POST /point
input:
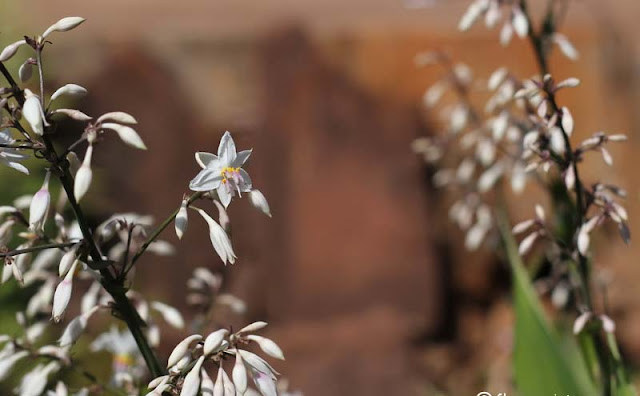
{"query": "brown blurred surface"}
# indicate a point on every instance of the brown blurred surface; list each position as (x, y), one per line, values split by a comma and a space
(365, 286)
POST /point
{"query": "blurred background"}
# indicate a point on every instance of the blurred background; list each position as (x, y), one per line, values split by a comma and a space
(365, 285)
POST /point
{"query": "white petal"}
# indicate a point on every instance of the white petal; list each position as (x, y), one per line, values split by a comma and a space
(580, 322)
(63, 25)
(219, 238)
(565, 46)
(527, 243)
(506, 34)
(520, 23)
(73, 114)
(265, 384)
(40, 204)
(75, 328)
(224, 194)
(206, 180)
(127, 134)
(7, 363)
(227, 149)
(207, 160)
(567, 121)
(241, 158)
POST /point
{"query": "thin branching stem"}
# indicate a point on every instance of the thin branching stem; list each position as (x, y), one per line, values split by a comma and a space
(37, 249)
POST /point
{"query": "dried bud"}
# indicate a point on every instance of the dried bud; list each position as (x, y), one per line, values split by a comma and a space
(63, 25)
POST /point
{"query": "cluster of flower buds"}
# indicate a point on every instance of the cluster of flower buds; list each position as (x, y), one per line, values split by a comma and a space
(188, 375)
(493, 11)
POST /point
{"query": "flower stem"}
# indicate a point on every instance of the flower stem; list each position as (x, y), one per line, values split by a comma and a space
(37, 249)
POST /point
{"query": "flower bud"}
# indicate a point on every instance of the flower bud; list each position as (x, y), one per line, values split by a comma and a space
(259, 201)
(218, 388)
(83, 176)
(40, 205)
(75, 328)
(25, 71)
(239, 374)
(74, 162)
(62, 296)
(117, 116)
(73, 114)
(191, 383)
(67, 260)
(255, 326)
(127, 134)
(181, 349)
(182, 220)
(32, 112)
(10, 50)
(268, 346)
(214, 340)
(7, 363)
(63, 25)
(72, 90)
(169, 314)
(219, 238)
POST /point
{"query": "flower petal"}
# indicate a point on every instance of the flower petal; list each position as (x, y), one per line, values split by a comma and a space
(241, 158)
(206, 180)
(227, 148)
(205, 159)
(224, 194)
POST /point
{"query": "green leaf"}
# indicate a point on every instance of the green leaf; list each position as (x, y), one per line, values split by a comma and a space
(542, 363)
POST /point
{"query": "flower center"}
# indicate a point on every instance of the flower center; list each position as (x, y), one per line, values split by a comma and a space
(232, 180)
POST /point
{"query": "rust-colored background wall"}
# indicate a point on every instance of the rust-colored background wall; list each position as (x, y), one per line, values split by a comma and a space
(364, 283)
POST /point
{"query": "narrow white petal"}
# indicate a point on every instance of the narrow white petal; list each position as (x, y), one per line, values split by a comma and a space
(170, 314)
(117, 116)
(127, 134)
(268, 346)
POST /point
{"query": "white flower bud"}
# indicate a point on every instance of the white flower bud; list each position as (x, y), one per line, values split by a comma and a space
(557, 142)
(182, 220)
(75, 328)
(127, 134)
(527, 243)
(265, 384)
(170, 315)
(63, 25)
(608, 325)
(580, 322)
(73, 114)
(7, 363)
(520, 23)
(117, 116)
(239, 374)
(571, 82)
(565, 46)
(219, 238)
(472, 14)
(256, 362)
(156, 382)
(259, 201)
(10, 50)
(497, 78)
(40, 205)
(62, 295)
(523, 226)
(213, 341)
(72, 90)
(567, 121)
(181, 349)
(253, 327)
(191, 383)
(218, 388)
(268, 346)
(83, 176)
(506, 33)
(25, 71)
(32, 112)
(67, 260)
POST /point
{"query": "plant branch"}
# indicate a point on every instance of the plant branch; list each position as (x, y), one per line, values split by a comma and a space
(37, 249)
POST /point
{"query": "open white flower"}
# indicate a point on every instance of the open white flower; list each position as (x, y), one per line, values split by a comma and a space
(223, 172)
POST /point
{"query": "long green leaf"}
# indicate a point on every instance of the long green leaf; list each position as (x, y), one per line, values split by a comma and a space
(542, 365)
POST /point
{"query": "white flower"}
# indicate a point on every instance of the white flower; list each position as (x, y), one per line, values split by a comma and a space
(62, 295)
(223, 172)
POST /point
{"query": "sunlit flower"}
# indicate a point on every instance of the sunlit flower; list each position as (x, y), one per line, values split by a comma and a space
(223, 172)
